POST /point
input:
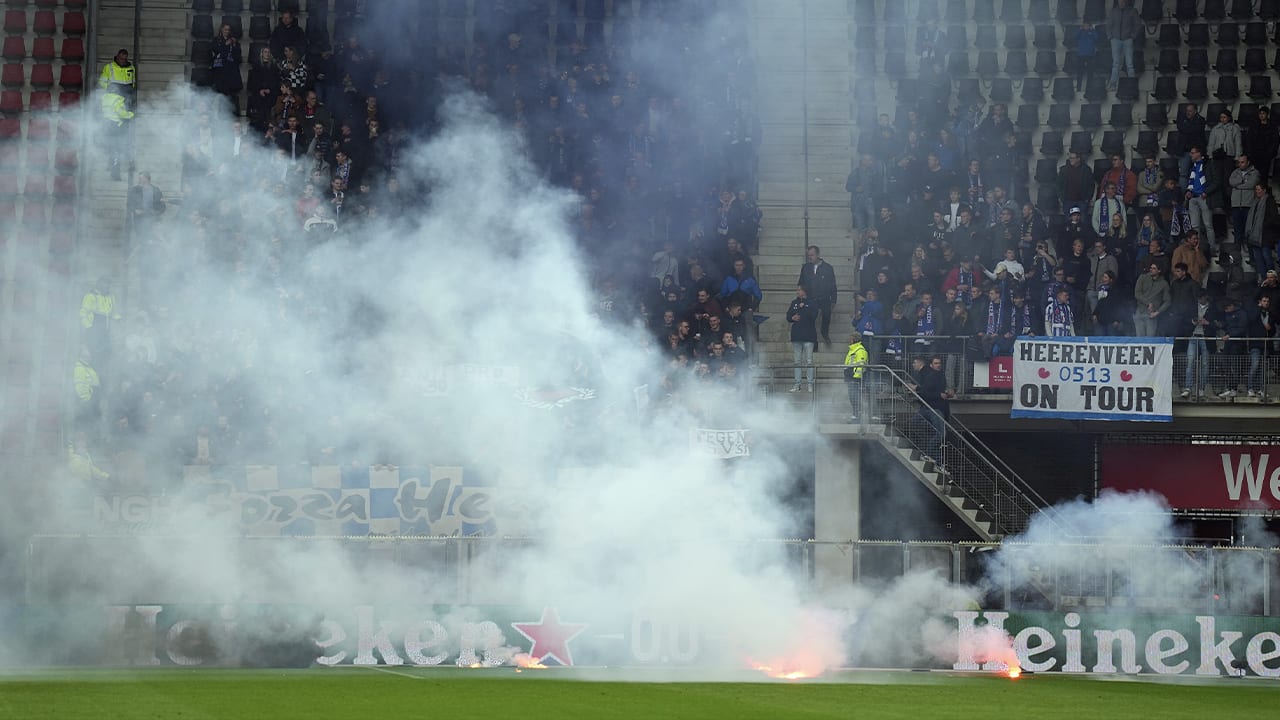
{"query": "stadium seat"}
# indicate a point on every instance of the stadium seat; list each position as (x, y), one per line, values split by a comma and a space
(1198, 35)
(1197, 88)
(895, 36)
(1255, 61)
(1039, 11)
(237, 26)
(1011, 11)
(202, 6)
(71, 76)
(1241, 10)
(1228, 88)
(1228, 61)
(35, 213)
(1247, 114)
(988, 64)
(1255, 34)
(15, 22)
(1152, 11)
(908, 91)
(10, 128)
(1046, 63)
(1059, 116)
(1001, 90)
(15, 48)
(1169, 63)
(12, 76)
(1169, 36)
(1046, 170)
(36, 186)
(37, 157)
(864, 12)
(259, 27)
(1228, 34)
(1064, 90)
(1113, 142)
(1095, 11)
(75, 4)
(1095, 88)
(1046, 37)
(1051, 143)
(984, 11)
(968, 91)
(1066, 13)
(200, 51)
(864, 91)
(9, 159)
(593, 33)
(37, 129)
(865, 60)
(895, 64)
(984, 39)
(1260, 87)
(44, 23)
(68, 100)
(1186, 11)
(344, 7)
(10, 102)
(1090, 116)
(72, 50)
(1212, 111)
(1214, 10)
(592, 10)
(232, 7)
(1166, 89)
(1032, 90)
(1082, 142)
(42, 75)
(66, 160)
(64, 186)
(1127, 90)
(1015, 37)
(864, 38)
(1015, 64)
(958, 64)
(1197, 61)
(202, 27)
(1148, 143)
(1028, 117)
(956, 12)
(8, 185)
(1121, 115)
(566, 33)
(201, 77)
(318, 33)
(927, 10)
(1275, 64)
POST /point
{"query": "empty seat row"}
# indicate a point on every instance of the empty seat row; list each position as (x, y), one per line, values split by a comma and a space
(11, 101)
(1197, 88)
(261, 7)
(42, 48)
(69, 76)
(36, 154)
(1228, 34)
(957, 11)
(69, 4)
(34, 214)
(44, 22)
(1226, 60)
(37, 185)
(40, 128)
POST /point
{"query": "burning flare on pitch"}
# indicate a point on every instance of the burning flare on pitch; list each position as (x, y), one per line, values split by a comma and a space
(995, 646)
(525, 660)
(797, 667)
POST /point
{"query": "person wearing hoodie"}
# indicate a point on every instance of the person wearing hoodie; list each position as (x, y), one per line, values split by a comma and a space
(869, 322)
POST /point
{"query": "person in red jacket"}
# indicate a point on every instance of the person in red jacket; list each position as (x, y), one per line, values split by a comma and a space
(1126, 181)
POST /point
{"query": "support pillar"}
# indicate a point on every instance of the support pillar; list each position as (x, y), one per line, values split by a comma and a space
(837, 515)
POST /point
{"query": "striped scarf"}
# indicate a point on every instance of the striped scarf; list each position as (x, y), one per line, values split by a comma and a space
(995, 311)
(1104, 214)
(925, 324)
(1061, 319)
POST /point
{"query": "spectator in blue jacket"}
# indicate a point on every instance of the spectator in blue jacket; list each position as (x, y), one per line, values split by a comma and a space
(803, 314)
(1086, 51)
(741, 287)
(869, 322)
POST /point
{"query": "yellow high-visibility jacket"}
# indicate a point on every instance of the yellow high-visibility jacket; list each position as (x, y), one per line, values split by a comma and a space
(113, 74)
(115, 109)
(82, 468)
(96, 303)
(857, 359)
(86, 381)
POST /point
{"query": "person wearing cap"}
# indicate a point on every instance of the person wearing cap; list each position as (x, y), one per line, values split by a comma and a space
(855, 365)
(1072, 230)
(118, 84)
(1075, 182)
(1261, 228)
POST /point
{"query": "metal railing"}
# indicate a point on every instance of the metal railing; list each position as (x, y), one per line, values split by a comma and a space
(1238, 364)
(885, 403)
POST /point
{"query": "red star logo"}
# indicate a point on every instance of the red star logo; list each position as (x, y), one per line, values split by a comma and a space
(550, 637)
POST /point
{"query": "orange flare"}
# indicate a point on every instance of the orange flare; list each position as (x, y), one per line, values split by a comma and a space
(525, 660)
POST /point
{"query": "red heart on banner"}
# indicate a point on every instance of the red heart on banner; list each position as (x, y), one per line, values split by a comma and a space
(1126, 376)
(1044, 373)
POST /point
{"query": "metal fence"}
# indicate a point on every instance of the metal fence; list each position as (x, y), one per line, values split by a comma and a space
(459, 570)
(1229, 369)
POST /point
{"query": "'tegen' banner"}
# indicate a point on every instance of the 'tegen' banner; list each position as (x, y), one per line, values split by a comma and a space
(1102, 378)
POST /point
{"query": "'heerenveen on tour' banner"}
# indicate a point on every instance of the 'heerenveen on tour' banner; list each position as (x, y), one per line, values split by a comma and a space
(1103, 378)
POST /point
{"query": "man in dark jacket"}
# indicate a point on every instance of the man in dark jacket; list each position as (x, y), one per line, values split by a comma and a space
(935, 410)
(1075, 183)
(287, 33)
(1182, 302)
(1262, 224)
(1124, 26)
(804, 334)
(818, 279)
(1261, 142)
(1191, 133)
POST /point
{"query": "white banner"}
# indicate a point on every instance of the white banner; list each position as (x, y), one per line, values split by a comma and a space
(722, 444)
(1102, 378)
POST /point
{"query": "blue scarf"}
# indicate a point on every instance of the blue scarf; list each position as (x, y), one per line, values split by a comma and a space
(995, 311)
(1062, 317)
(925, 324)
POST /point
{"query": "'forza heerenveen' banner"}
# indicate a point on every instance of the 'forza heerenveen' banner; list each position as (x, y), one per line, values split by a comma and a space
(1104, 378)
(722, 444)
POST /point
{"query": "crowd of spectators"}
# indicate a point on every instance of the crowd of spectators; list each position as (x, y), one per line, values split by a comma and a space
(952, 242)
(659, 151)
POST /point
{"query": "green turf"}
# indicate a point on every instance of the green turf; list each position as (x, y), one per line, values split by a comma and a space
(350, 692)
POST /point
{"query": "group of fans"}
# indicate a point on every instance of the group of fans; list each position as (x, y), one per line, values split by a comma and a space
(662, 162)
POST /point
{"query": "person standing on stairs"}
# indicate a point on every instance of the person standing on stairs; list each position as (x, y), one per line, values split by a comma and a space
(935, 410)
(819, 280)
(855, 365)
(118, 86)
(804, 334)
(1124, 26)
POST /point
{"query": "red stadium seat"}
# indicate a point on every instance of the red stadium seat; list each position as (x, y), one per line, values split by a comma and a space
(64, 213)
(13, 76)
(8, 157)
(75, 4)
(35, 185)
(66, 160)
(68, 100)
(64, 186)
(73, 49)
(72, 76)
(61, 242)
(10, 128)
(68, 133)
(38, 128)
(40, 101)
(15, 48)
(37, 154)
(15, 21)
(42, 75)
(35, 214)
(73, 23)
(47, 3)
(8, 185)
(11, 102)
(45, 24)
(42, 49)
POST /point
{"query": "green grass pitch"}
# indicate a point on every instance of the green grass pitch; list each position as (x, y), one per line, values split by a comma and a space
(501, 693)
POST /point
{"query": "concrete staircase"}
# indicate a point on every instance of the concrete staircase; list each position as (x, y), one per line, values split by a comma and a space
(803, 80)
